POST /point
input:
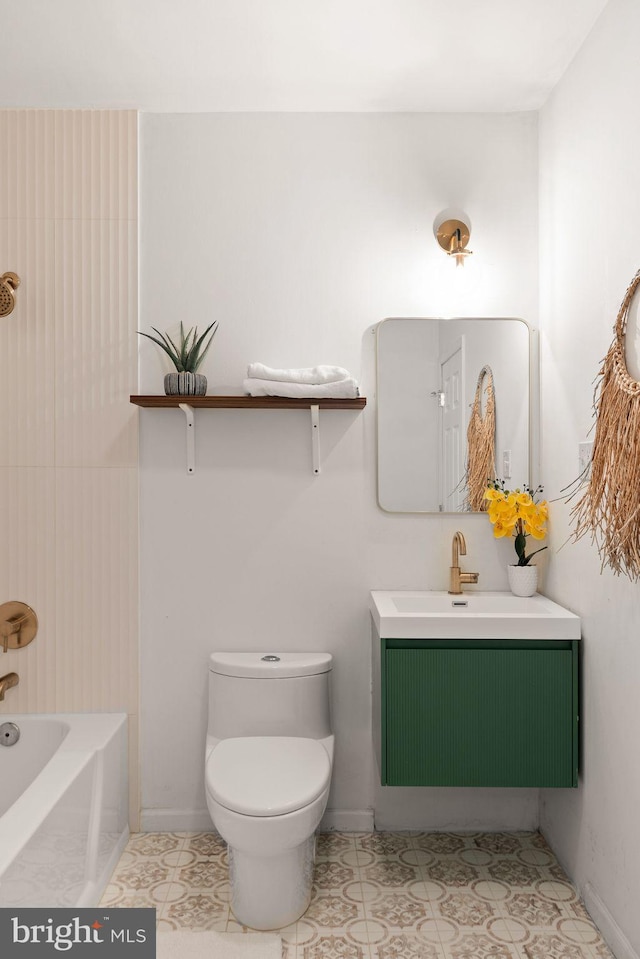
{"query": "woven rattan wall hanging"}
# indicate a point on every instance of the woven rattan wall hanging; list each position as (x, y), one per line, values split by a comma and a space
(481, 443)
(610, 507)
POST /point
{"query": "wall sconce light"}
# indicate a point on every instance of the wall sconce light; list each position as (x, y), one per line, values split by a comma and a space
(452, 233)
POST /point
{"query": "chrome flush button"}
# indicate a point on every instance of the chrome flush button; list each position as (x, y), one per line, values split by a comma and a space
(270, 659)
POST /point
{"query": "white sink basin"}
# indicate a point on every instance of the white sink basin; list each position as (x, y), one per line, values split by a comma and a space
(400, 614)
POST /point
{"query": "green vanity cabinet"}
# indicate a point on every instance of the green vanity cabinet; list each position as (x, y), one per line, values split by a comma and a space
(478, 712)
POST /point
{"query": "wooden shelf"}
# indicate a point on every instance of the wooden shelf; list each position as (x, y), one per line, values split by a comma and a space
(188, 404)
(243, 402)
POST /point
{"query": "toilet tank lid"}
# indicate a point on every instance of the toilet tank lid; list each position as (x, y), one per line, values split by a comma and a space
(274, 665)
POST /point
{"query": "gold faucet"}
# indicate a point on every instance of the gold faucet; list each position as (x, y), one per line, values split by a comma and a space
(456, 577)
(6, 682)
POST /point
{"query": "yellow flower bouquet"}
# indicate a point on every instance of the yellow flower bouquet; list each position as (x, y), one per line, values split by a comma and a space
(517, 513)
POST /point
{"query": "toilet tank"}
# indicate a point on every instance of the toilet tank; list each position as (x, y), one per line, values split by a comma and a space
(276, 694)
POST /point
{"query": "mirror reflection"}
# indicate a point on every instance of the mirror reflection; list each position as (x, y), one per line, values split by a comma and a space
(453, 410)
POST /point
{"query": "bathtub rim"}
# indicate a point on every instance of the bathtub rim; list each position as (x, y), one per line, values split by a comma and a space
(88, 735)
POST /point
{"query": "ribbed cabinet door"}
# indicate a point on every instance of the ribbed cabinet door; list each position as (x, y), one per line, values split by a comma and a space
(479, 717)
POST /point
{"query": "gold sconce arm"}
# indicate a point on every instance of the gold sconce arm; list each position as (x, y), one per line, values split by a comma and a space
(452, 234)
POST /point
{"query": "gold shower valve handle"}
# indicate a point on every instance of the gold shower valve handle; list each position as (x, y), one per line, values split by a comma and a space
(9, 283)
(18, 625)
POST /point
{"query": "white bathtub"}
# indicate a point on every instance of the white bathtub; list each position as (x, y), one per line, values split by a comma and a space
(63, 808)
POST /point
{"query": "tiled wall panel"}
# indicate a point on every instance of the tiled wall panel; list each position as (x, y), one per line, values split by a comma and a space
(96, 626)
(95, 364)
(96, 169)
(27, 574)
(68, 434)
(27, 164)
(26, 344)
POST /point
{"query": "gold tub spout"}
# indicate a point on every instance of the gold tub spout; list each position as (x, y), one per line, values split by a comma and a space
(456, 576)
(6, 682)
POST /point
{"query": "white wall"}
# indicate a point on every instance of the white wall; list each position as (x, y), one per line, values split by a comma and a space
(590, 206)
(299, 233)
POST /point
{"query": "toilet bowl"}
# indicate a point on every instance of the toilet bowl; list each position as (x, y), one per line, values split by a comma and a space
(268, 767)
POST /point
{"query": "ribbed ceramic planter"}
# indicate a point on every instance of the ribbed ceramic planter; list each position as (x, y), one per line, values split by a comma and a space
(523, 580)
(185, 384)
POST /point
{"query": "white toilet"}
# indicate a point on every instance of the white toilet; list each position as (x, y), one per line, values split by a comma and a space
(268, 765)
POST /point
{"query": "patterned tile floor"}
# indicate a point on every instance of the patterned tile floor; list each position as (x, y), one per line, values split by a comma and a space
(382, 896)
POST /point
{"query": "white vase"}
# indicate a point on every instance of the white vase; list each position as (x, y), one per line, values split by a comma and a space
(523, 580)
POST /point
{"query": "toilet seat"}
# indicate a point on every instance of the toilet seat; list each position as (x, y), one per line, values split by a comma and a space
(267, 775)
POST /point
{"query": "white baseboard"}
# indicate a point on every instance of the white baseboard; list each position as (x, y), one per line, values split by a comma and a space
(611, 931)
(199, 820)
(175, 820)
(347, 820)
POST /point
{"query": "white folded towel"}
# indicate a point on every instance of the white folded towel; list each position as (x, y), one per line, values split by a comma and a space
(342, 389)
(310, 374)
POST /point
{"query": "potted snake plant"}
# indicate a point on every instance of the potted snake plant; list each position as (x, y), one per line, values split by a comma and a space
(187, 357)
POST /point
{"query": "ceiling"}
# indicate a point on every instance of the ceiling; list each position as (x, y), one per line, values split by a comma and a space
(290, 55)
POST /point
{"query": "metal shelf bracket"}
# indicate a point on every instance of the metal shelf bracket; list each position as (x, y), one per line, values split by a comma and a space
(189, 412)
(191, 437)
(315, 438)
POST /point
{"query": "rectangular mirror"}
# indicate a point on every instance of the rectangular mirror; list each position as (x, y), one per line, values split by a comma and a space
(453, 396)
